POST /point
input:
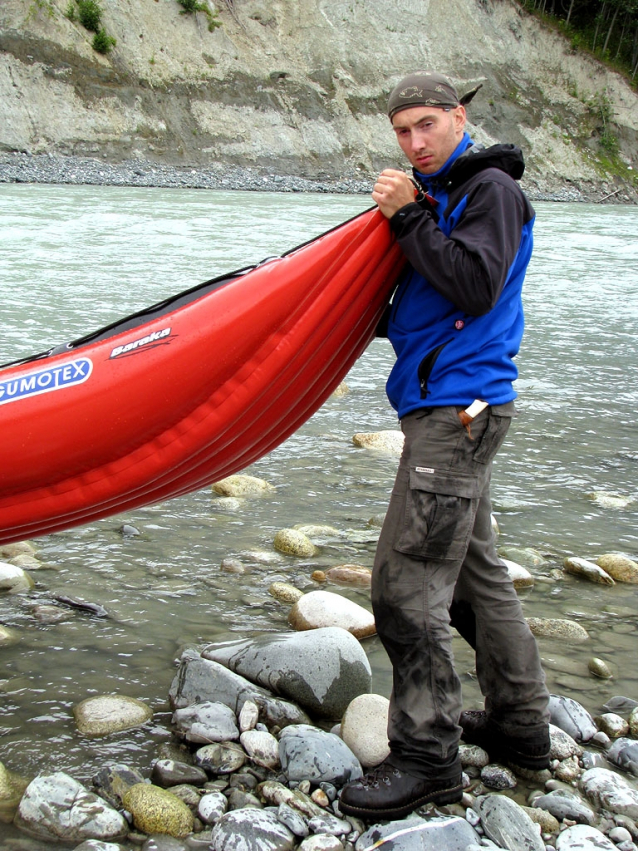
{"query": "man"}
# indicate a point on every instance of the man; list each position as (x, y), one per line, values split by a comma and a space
(455, 323)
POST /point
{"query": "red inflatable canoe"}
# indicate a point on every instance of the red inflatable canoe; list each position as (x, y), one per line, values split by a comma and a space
(191, 390)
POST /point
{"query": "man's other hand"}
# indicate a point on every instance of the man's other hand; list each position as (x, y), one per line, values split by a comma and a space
(393, 190)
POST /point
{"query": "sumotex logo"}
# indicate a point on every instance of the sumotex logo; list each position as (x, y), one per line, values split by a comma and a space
(52, 378)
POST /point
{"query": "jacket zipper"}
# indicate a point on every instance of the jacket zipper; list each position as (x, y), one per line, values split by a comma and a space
(426, 366)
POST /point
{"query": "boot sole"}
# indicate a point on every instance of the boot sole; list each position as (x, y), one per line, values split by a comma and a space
(441, 796)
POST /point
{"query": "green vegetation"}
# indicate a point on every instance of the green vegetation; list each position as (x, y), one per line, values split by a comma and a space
(608, 29)
(89, 14)
(191, 7)
(40, 6)
(102, 42)
(600, 108)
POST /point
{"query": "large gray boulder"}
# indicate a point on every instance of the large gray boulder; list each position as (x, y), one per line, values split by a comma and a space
(571, 717)
(443, 833)
(322, 670)
(57, 808)
(307, 753)
(610, 791)
(624, 754)
(206, 722)
(581, 837)
(507, 824)
(563, 804)
(249, 829)
(201, 680)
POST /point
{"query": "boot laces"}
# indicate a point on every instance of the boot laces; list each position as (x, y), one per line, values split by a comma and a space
(382, 773)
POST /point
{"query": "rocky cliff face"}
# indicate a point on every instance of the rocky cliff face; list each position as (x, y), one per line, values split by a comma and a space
(299, 86)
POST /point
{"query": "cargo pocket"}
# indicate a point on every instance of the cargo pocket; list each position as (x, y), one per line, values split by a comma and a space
(439, 515)
(491, 439)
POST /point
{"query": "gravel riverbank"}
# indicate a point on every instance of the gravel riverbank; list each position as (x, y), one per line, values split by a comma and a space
(55, 169)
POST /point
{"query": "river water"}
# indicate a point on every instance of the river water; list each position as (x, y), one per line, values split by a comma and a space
(75, 258)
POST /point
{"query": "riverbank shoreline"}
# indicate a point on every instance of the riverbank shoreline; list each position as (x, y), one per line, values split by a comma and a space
(20, 167)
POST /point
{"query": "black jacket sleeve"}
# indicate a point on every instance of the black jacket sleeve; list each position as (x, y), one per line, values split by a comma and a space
(470, 267)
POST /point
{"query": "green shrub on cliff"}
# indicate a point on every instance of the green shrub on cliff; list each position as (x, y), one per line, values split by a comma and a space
(102, 42)
(191, 7)
(89, 14)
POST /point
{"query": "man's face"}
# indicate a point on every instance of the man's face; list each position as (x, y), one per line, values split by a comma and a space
(429, 135)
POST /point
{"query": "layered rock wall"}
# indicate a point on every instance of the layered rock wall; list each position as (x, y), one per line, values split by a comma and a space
(299, 86)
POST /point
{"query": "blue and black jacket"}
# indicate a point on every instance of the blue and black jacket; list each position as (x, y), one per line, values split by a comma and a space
(456, 319)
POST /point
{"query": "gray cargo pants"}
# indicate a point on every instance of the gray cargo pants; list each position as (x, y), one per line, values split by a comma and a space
(436, 566)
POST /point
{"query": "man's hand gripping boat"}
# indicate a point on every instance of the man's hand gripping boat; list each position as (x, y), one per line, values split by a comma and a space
(191, 390)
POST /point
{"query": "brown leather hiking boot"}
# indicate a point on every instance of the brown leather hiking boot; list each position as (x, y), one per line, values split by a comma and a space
(386, 792)
(530, 751)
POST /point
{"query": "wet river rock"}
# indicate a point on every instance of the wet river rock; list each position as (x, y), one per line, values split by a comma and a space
(251, 830)
(587, 569)
(321, 842)
(221, 758)
(507, 824)
(199, 679)
(7, 636)
(525, 556)
(562, 745)
(169, 772)
(610, 791)
(619, 567)
(364, 728)
(157, 810)
(261, 747)
(390, 441)
(12, 787)
(111, 713)
(292, 542)
(17, 548)
(27, 562)
(307, 753)
(581, 837)
(612, 725)
(275, 793)
(320, 609)
(610, 500)
(566, 804)
(113, 781)
(624, 754)
(520, 576)
(322, 670)
(599, 668)
(561, 628)
(242, 485)
(350, 574)
(442, 833)
(55, 807)
(206, 722)
(285, 592)
(14, 580)
(571, 717)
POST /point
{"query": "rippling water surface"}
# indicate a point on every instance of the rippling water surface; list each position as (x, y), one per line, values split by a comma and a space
(75, 258)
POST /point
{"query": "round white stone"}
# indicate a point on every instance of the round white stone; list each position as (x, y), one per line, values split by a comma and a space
(261, 747)
(105, 714)
(364, 728)
(319, 609)
(385, 441)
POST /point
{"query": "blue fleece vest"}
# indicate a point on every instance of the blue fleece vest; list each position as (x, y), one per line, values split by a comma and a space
(461, 357)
